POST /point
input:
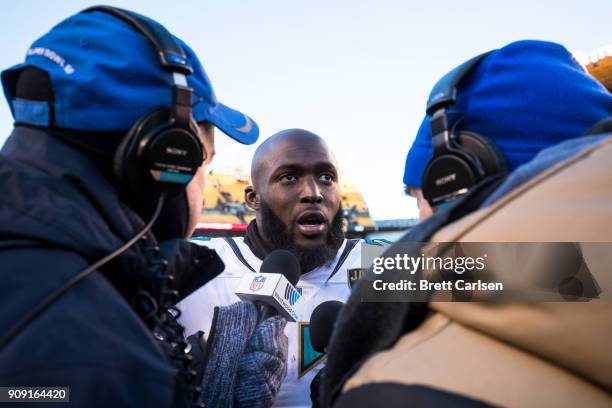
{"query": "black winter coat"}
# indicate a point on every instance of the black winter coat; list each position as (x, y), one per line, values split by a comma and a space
(59, 214)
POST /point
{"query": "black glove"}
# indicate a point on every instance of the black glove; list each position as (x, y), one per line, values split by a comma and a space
(193, 265)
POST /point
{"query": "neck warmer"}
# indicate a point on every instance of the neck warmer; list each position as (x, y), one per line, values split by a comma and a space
(255, 242)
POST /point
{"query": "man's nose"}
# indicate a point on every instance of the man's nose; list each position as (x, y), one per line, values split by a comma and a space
(311, 193)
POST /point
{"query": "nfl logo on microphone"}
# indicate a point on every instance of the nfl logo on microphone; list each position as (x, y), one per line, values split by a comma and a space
(257, 283)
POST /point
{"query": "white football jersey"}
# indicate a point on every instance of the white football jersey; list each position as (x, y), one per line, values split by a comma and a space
(329, 282)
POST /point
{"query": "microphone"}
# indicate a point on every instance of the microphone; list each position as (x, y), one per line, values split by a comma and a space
(273, 288)
(322, 323)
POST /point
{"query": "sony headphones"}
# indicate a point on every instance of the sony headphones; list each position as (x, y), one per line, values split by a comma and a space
(162, 151)
(460, 159)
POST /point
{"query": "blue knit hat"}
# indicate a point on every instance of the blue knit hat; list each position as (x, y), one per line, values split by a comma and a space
(105, 75)
(525, 97)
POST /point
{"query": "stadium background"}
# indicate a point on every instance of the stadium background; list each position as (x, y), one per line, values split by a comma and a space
(225, 213)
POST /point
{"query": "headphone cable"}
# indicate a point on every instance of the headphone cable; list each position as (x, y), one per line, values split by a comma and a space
(16, 329)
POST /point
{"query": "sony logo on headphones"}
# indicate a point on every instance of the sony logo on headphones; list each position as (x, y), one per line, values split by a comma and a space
(175, 151)
(446, 179)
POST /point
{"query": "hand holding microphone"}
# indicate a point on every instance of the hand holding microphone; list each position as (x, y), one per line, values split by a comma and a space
(246, 356)
(264, 363)
(263, 366)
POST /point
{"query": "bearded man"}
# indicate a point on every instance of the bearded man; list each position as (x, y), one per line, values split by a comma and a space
(296, 196)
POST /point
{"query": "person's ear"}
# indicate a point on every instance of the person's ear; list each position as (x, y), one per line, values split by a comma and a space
(251, 198)
(206, 131)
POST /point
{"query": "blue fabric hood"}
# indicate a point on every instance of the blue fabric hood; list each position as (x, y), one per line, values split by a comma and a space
(526, 96)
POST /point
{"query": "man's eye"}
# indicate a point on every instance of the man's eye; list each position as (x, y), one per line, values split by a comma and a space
(326, 177)
(288, 178)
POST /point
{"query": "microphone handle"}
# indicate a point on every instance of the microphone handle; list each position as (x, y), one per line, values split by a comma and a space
(264, 311)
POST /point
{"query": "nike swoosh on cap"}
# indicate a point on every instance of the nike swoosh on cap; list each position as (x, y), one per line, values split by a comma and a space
(247, 126)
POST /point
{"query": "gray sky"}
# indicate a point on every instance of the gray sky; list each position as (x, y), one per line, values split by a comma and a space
(357, 73)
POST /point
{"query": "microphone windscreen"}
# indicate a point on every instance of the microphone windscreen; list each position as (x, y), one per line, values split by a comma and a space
(284, 263)
(322, 323)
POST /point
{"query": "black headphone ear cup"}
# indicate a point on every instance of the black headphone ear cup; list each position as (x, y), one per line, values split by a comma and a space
(120, 155)
(446, 176)
(490, 156)
(457, 170)
(127, 165)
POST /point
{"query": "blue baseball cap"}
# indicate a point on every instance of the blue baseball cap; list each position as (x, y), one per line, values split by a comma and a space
(525, 97)
(105, 75)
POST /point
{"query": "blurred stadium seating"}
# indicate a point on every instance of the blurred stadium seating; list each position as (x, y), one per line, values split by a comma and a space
(225, 213)
(599, 64)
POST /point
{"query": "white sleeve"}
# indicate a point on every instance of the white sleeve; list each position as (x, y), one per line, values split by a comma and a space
(197, 308)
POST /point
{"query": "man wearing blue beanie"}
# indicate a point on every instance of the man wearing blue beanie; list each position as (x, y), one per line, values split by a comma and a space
(524, 97)
(542, 175)
(102, 180)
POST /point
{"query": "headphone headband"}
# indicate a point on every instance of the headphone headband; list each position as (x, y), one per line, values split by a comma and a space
(162, 151)
(460, 158)
(171, 54)
(444, 92)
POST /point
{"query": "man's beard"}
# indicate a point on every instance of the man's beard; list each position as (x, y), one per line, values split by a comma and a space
(310, 258)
